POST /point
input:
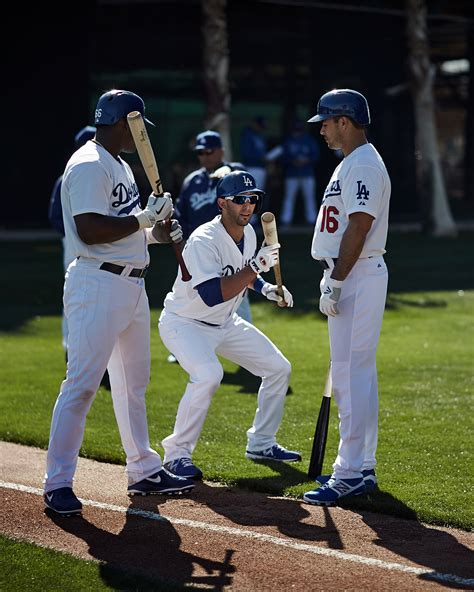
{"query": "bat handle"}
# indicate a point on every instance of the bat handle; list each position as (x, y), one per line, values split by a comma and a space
(178, 251)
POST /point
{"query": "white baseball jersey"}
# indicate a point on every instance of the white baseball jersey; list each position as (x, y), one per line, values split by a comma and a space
(359, 184)
(96, 182)
(210, 252)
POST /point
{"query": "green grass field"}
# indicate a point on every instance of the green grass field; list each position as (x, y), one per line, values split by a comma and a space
(425, 366)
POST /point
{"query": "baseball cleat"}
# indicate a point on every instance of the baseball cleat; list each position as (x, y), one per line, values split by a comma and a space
(370, 479)
(334, 490)
(275, 452)
(161, 483)
(184, 467)
(63, 501)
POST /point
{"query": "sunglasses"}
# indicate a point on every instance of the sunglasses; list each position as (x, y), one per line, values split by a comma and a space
(204, 152)
(241, 199)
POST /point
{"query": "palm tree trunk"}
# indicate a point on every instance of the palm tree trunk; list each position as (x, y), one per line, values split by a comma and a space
(437, 216)
(216, 69)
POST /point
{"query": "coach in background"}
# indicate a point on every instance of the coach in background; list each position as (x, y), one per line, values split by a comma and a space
(106, 305)
(200, 322)
(349, 242)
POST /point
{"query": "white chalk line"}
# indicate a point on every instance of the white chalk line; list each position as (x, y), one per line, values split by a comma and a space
(386, 565)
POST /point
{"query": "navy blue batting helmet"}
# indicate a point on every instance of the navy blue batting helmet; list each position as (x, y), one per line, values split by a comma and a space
(342, 101)
(239, 183)
(117, 104)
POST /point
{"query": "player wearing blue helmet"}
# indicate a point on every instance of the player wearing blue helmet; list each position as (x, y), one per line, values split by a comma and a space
(349, 243)
(200, 322)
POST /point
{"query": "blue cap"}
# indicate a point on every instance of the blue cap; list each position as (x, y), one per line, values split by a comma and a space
(86, 133)
(208, 140)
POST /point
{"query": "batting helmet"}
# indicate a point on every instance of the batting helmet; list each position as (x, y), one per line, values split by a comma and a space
(117, 104)
(239, 183)
(342, 101)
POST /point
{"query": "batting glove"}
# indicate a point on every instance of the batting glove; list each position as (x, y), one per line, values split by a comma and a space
(266, 258)
(157, 209)
(165, 233)
(330, 297)
(270, 291)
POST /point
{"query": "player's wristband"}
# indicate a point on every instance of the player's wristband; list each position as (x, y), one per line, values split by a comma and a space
(258, 284)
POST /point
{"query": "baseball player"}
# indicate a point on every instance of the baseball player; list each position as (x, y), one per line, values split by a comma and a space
(199, 322)
(349, 242)
(106, 305)
(196, 202)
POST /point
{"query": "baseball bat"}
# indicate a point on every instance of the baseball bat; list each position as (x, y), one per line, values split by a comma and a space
(321, 432)
(271, 237)
(147, 158)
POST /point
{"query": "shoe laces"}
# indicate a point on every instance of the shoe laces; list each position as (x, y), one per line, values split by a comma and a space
(184, 462)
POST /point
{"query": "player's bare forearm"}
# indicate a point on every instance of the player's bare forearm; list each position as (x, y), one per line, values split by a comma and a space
(233, 284)
(352, 243)
(95, 229)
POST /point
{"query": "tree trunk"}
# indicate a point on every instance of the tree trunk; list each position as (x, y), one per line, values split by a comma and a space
(216, 70)
(437, 217)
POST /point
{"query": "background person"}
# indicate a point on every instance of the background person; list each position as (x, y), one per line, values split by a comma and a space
(300, 152)
(106, 305)
(55, 213)
(349, 242)
(200, 321)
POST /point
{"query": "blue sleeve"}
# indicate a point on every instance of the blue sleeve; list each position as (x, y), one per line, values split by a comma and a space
(210, 292)
(55, 212)
(258, 284)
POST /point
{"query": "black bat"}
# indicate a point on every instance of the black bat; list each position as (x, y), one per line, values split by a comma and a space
(321, 432)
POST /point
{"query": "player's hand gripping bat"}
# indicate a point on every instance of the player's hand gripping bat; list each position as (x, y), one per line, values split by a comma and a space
(147, 158)
(321, 433)
(271, 237)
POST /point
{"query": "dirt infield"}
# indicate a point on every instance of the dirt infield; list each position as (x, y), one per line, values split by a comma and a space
(226, 539)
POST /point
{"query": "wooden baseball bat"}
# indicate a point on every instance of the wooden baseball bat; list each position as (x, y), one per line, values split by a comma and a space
(321, 432)
(147, 158)
(271, 237)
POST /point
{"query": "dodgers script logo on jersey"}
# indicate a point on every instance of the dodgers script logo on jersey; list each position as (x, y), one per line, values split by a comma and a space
(199, 200)
(332, 190)
(229, 270)
(124, 195)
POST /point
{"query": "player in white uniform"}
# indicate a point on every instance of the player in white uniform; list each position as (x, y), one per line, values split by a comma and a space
(106, 305)
(199, 322)
(349, 242)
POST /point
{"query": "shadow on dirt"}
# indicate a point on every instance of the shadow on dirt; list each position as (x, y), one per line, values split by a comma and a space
(146, 555)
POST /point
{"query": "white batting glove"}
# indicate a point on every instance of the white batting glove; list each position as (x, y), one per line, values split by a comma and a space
(330, 297)
(157, 209)
(270, 291)
(165, 235)
(266, 258)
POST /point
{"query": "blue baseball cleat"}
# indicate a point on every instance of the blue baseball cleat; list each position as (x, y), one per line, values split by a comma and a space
(184, 467)
(63, 501)
(275, 452)
(334, 490)
(370, 479)
(162, 482)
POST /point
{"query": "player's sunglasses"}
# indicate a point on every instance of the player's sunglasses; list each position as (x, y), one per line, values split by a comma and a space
(241, 199)
(204, 152)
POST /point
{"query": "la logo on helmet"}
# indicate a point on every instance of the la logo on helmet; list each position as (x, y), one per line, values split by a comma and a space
(247, 181)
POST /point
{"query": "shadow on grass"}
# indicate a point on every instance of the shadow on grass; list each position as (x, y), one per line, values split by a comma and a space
(248, 383)
(395, 302)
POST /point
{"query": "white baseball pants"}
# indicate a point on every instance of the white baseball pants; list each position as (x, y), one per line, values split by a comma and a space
(308, 187)
(109, 326)
(354, 335)
(196, 347)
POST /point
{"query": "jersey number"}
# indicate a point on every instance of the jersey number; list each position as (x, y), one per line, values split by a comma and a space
(329, 221)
